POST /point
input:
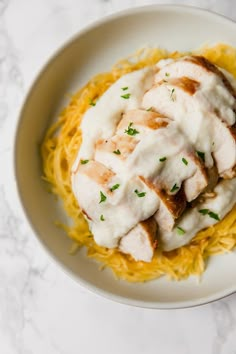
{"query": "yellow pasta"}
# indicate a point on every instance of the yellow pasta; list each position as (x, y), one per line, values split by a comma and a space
(60, 147)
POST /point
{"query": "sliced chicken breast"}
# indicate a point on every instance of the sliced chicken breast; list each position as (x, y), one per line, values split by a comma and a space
(113, 206)
(203, 215)
(204, 129)
(91, 178)
(142, 120)
(141, 241)
(215, 90)
(199, 181)
(170, 209)
(113, 152)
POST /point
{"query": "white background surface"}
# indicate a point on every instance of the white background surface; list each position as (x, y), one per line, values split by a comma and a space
(42, 311)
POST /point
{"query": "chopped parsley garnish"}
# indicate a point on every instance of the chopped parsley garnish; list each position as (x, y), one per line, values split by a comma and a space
(116, 186)
(172, 94)
(92, 103)
(203, 211)
(103, 198)
(83, 162)
(201, 155)
(167, 74)
(140, 194)
(209, 213)
(102, 218)
(117, 152)
(126, 96)
(185, 161)
(180, 231)
(131, 131)
(174, 188)
(149, 109)
(162, 159)
(214, 215)
(124, 88)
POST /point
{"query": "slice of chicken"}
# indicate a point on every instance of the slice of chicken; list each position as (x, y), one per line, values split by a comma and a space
(142, 120)
(224, 149)
(113, 152)
(198, 182)
(113, 206)
(215, 88)
(204, 214)
(87, 181)
(204, 129)
(171, 206)
(141, 241)
(212, 69)
(165, 218)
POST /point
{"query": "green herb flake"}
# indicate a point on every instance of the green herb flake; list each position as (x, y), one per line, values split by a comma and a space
(174, 188)
(103, 198)
(214, 215)
(162, 159)
(172, 97)
(92, 103)
(203, 211)
(83, 162)
(180, 231)
(131, 131)
(124, 88)
(167, 74)
(149, 109)
(184, 161)
(116, 186)
(126, 96)
(209, 213)
(102, 218)
(140, 194)
(117, 152)
(201, 155)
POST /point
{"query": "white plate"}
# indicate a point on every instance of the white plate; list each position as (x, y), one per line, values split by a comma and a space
(94, 50)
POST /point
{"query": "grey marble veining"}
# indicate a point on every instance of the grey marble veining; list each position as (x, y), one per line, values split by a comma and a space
(41, 310)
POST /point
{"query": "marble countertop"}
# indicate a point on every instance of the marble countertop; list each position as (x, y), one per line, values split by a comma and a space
(42, 311)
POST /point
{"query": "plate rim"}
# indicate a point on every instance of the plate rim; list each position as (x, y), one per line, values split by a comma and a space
(157, 305)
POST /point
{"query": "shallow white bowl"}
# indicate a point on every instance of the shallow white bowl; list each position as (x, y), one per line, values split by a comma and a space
(94, 50)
